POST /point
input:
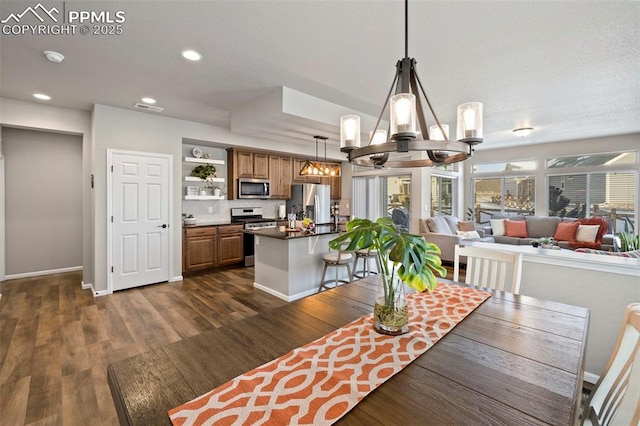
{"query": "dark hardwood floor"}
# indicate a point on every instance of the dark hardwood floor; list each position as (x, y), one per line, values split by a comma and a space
(56, 339)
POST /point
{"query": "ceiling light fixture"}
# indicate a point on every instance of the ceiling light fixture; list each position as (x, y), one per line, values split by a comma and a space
(42, 96)
(54, 56)
(405, 108)
(149, 100)
(523, 131)
(191, 55)
(315, 168)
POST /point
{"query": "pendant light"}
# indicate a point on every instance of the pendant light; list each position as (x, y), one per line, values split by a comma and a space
(316, 168)
(408, 131)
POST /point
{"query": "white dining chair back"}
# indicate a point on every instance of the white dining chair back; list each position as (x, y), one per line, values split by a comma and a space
(494, 269)
(615, 399)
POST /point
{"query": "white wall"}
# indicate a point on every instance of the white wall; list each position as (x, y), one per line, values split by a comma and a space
(540, 152)
(117, 128)
(38, 116)
(43, 198)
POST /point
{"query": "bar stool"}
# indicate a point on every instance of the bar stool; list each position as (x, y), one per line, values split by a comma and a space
(366, 255)
(335, 260)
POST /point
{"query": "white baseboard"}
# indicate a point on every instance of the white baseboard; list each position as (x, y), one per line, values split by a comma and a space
(284, 296)
(174, 279)
(591, 378)
(39, 273)
(99, 292)
(87, 286)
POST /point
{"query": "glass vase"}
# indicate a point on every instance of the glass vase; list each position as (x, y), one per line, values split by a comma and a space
(390, 312)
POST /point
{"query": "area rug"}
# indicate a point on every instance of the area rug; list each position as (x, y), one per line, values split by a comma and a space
(320, 382)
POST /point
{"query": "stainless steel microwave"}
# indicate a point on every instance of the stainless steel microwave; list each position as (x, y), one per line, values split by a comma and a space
(254, 188)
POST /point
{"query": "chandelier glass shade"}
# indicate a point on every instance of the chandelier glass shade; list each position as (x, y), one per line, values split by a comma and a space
(408, 141)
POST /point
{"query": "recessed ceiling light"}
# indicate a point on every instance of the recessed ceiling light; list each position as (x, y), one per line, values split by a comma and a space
(42, 96)
(148, 100)
(191, 55)
(523, 131)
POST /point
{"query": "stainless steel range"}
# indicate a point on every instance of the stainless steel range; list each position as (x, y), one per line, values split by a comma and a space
(252, 218)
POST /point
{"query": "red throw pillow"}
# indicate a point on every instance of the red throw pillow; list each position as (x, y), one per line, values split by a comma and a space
(515, 228)
(566, 231)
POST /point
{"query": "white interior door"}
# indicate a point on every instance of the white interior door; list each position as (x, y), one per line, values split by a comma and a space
(140, 219)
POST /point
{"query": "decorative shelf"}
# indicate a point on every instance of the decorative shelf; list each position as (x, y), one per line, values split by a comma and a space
(203, 160)
(203, 197)
(197, 179)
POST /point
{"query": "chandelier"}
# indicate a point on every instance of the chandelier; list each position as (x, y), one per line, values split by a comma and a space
(316, 168)
(405, 142)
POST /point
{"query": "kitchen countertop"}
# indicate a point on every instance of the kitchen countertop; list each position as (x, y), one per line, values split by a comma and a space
(286, 235)
(208, 223)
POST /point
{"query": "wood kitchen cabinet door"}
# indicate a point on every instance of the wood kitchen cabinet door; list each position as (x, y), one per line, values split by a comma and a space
(230, 244)
(260, 166)
(280, 177)
(244, 164)
(200, 252)
(336, 188)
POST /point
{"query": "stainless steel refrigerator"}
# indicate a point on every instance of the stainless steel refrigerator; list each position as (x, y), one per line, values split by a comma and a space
(312, 199)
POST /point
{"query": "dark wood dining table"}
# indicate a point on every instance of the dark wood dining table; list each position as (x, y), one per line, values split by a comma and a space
(515, 360)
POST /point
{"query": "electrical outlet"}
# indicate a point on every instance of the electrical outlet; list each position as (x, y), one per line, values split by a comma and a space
(210, 209)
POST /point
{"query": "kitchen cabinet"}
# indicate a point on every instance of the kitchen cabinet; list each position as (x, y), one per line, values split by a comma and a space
(252, 165)
(230, 246)
(336, 187)
(199, 248)
(280, 177)
(245, 164)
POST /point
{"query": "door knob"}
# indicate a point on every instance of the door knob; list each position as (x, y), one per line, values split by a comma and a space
(164, 225)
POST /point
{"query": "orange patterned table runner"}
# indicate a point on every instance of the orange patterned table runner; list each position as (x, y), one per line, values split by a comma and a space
(320, 382)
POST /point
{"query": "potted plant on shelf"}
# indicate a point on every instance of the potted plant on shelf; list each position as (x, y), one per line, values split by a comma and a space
(204, 171)
(404, 259)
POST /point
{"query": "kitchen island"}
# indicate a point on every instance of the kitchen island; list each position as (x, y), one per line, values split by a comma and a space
(289, 265)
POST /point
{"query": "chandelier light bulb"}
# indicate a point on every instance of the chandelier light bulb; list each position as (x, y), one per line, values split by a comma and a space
(435, 134)
(403, 115)
(349, 132)
(379, 137)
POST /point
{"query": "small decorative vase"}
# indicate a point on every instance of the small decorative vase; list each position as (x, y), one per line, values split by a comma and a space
(390, 311)
(547, 246)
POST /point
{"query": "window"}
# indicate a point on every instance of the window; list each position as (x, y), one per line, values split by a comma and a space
(504, 195)
(607, 194)
(443, 195)
(505, 167)
(378, 196)
(591, 160)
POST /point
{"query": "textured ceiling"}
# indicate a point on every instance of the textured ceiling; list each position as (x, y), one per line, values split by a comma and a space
(570, 70)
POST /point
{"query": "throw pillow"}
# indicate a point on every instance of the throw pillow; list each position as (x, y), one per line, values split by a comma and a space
(466, 225)
(497, 227)
(468, 235)
(515, 228)
(438, 225)
(566, 231)
(587, 233)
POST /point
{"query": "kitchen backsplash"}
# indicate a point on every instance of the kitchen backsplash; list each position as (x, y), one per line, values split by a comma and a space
(221, 210)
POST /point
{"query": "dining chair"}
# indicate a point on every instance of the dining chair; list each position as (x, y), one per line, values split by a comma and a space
(336, 259)
(489, 268)
(615, 400)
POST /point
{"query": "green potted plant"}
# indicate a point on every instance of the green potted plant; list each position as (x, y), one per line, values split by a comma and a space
(404, 258)
(203, 171)
(629, 241)
(544, 242)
